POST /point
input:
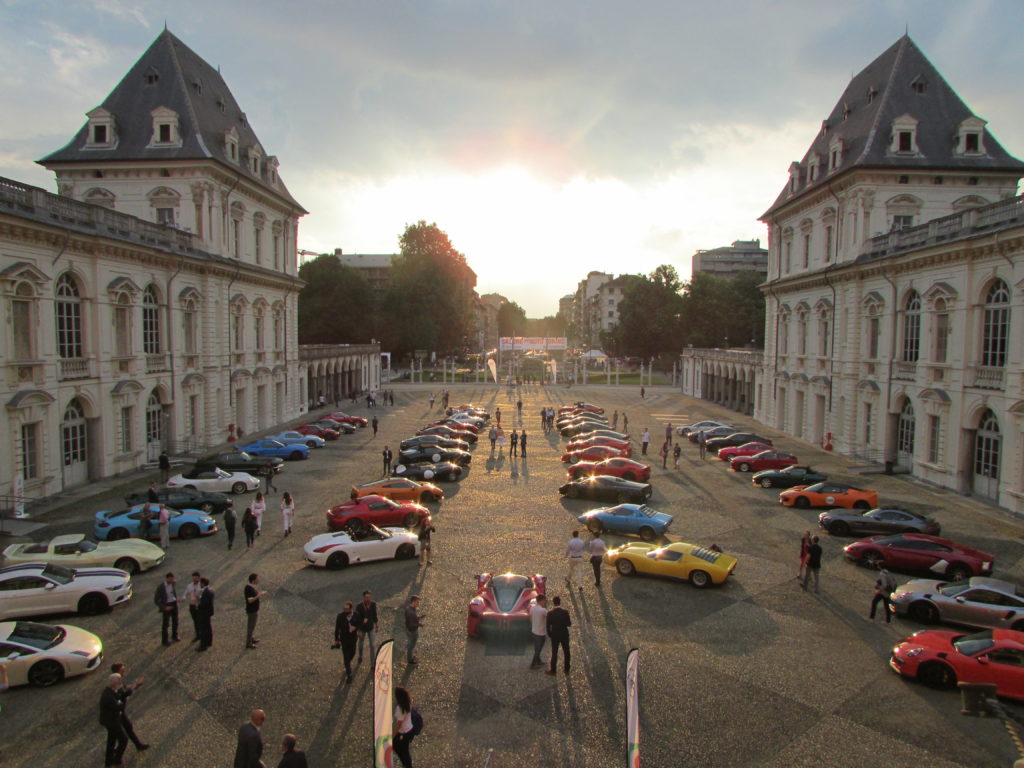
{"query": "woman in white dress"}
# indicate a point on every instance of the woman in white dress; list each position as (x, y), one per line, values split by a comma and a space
(258, 507)
(287, 512)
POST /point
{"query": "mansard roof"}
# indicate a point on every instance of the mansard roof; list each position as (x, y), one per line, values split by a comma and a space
(171, 75)
(862, 118)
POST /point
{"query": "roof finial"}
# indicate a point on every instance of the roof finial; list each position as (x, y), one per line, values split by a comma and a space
(165, 25)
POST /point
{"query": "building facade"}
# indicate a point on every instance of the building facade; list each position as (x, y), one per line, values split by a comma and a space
(730, 261)
(376, 267)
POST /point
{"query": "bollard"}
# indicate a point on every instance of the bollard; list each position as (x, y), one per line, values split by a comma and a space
(973, 698)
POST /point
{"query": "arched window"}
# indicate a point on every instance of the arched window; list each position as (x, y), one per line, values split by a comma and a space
(23, 325)
(987, 445)
(150, 322)
(73, 443)
(996, 326)
(69, 319)
(123, 326)
(905, 429)
(801, 332)
(154, 420)
(912, 328)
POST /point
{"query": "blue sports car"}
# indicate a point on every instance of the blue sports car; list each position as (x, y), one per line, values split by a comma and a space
(628, 518)
(275, 448)
(184, 523)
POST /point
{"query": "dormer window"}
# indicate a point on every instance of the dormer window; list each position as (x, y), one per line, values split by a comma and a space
(813, 166)
(197, 87)
(165, 128)
(101, 133)
(255, 160)
(231, 145)
(151, 76)
(872, 93)
(794, 177)
(220, 104)
(918, 85)
(272, 165)
(242, 119)
(903, 140)
(835, 154)
(847, 111)
(970, 137)
(824, 127)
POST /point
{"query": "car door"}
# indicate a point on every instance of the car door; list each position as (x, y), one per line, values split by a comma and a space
(17, 668)
(1003, 667)
(31, 595)
(977, 607)
(375, 546)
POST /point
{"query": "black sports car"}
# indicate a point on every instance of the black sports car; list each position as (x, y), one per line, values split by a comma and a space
(601, 433)
(433, 454)
(338, 426)
(842, 522)
(421, 441)
(579, 427)
(712, 433)
(240, 461)
(607, 488)
(735, 439)
(453, 434)
(569, 419)
(788, 477)
(209, 502)
(442, 470)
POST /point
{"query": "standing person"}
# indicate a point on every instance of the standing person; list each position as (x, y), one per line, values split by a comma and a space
(145, 521)
(259, 508)
(366, 623)
(249, 526)
(544, 419)
(229, 525)
(426, 528)
(374, 423)
(884, 586)
(166, 600)
(165, 526)
(287, 512)
(643, 392)
(151, 494)
(574, 554)
(519, 409)
(290, 756)
(250, 742)
(413, 622)
(513, 448)
(120, 668)
(625, 423)
(676, 452)
(346, 636)
(252, 609)
(522, 443)
(431, 401)
(558, 630)
(539, 629)
(501, 440)
(497, 415)
(492, 435)
(805, 544)
(702, 443)
(615, 420)
(268, 476)
(813, 564)
(402, 736)
(668, 433)
(664, 455)
(645, 440)
(205, 615)
(192, 593)
(387, 456)
(111, 713)
(164, 462)
(597, 549)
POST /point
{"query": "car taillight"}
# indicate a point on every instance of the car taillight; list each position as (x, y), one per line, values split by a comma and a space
(102, 525)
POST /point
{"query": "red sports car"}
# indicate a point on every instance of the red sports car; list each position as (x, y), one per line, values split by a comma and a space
(941, 659)
(579, 445)
(747, 449)
(318, 431)
(375, 509)
(344, 418)
(627, 469)
(921, 552)
(462, 426)
(502, 603)
(763, 460)
(448, 432)
(596, 453)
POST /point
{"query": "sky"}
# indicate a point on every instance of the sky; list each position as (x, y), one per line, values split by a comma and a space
(547, 138)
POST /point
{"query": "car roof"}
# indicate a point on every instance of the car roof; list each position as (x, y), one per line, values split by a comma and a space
(68, 538)
(997, 584)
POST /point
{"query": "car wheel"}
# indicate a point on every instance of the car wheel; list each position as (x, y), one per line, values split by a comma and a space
(92, 604)
(744, 467)
(410, 520)
(188, 531)
(861, 505)
(45, 673)
(337, 560)
(117, 534)
(295, 455)
(405, 552)
(127, 564)
(238, 488)
(959, 572)
(207, 507)
(595, 526)
(700, 579)
(802, 502)
(935, 674)
(311, 444)
(924, 612)
(625, 567)
(647, 533)
(766, 482)
(573, 492)
(838, 528)
(873, 559)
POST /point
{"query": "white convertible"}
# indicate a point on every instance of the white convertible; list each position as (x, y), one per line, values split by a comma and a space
(336, 550)
(76, 551)
(215, 479)
(41, 654)
(34, 589)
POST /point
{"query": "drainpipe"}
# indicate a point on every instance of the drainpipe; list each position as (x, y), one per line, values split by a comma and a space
(170, 326)
(775, 356)
(832, 338)
(892, 356)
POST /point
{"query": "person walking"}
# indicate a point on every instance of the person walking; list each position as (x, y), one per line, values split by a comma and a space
(522, 444)
(431, 400)
(615, 420)
(252, 609)
(426, 529)
(664, 455)
(165, 526)
(366, 623)
(519, 409)
(643, 393)
(544, 419)
(539, 629)
(413, 622)
(492, 435)
(250, 741)
(166, 600)
(513, 448)
(558, 630)
(597, 549)
(259, 508)
(805, 544)
(120, 668)
(205, 615)
(625, 422)
(574, 555)
(268, 475)
(249, 526)
(387, 456)
(497, 416)
(287, 512)
(290, 756)
(111, 718)
(668, 433)
(346, 636)
(676, 452)
(645, 440)
(164, 462)
(192, 593)
(884, 586)
(401, 738)
(501, 440)
(813, 564)
(230, 518)
(702, 443)
(374, 423)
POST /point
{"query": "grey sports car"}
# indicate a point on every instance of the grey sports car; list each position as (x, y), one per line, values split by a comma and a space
(977, 602)
(843, 522)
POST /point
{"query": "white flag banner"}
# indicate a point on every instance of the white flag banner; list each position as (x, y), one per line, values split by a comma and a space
(383, 707)
(493, 368)
(632, 709)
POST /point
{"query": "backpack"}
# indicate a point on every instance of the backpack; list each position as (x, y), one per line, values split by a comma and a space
(417, 723)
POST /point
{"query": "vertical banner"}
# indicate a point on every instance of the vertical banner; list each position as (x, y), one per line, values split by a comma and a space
(554, 371)
(632, 709)
(493, 368)
(383, 707)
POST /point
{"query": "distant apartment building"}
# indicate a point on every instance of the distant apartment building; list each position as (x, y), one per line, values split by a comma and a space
(594, 308)
(376, 267)
(487, 319)
(732, 260)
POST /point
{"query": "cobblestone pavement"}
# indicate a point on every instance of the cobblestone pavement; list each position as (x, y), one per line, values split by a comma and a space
(755, 673)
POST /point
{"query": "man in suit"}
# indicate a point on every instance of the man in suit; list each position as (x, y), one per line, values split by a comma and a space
(166, 600)
(111, 718)
(387, 455)
(120, 668)
(366, 622)
(250, 742)
(290, 756)
(558, 630)
(205, 614)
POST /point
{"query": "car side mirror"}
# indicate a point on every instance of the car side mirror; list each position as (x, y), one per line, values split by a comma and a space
(958, 599)
(50, 586)
(983, 660)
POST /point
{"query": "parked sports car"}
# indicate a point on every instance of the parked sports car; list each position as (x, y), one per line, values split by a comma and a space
(240, 461)
(450, 433)
(574, 418)
(700, 566)
(433, 440)
(619, 466)
(341, 427)
(638, 519)
(35, 589)
(883, 520)
(472, 410)
(440, 471)
(607, 488)
(294, 437)
(788, 477)
(214, 479)
(769, 459)
(591, 434)
(829, 495)
(209, 502)
(375, 510)
(336, 550)
(578, 428)
(502, 604)
(747, 449)
(327, 433)
(581, 405)
(977, 602)
(697, 426)
(276, 448)
(344, 418)
(399, 489)
(941, 659)
(736, 438)
(42, 654)
(113, 525)
(457, 426)
(433, 454)
(919, 552)
(596, 453)
(713, 432)
(466, 418)
(75, 551)
(614, 442)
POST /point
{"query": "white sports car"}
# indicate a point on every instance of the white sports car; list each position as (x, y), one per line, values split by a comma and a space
(33, 589)
(336, 550)
(76, 551)
(297, 438)
(42, 654)
(215, 479)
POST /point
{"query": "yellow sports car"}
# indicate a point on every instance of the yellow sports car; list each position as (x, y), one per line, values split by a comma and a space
(701, 566)
(76, 551)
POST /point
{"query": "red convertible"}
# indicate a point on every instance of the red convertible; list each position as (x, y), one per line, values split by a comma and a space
(596, 453)
(502, 603)
(763, 460)
(747, 449)
(344, 418)
(589, 442)
(627, 469)
(318, 431)
(377, 510)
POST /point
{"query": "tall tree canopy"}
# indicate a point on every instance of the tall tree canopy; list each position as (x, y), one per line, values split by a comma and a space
(723, 311)
(650, 315)
(511, 319)
(336, 305)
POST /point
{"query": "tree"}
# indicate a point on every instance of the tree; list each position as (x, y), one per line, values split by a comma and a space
(650, 314)
(722, 312)
(336, 305)
(511, 319)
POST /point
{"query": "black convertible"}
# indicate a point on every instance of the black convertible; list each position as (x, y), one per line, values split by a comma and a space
(443, 470)
(607, 488)
(422, 441)
(788, 477)
(434, 454)
(184, 498)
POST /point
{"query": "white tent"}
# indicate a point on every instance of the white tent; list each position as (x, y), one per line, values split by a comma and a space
(595, 354)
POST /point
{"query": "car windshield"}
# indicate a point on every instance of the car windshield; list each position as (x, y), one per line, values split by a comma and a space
(59, 573)
(41, 636)
(222, 474)
(954, 589)
(507, 590)
(86, 546)
(970, 645)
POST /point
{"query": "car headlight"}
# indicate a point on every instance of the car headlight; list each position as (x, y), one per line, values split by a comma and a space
(913, 652)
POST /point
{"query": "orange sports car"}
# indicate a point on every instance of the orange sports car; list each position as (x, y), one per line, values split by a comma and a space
(829, 495)
(399, 489)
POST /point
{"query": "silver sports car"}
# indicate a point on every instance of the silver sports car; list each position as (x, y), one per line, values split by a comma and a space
(976, 602)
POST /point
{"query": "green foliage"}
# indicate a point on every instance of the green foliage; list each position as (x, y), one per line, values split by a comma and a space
(511, 319)
(336, 304)
(650, 315)
(723, 312)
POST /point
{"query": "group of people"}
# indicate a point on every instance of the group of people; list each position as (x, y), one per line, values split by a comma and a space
(199, 597)
(252, 518)
(547, 418)
(249, 751)
(810, 568)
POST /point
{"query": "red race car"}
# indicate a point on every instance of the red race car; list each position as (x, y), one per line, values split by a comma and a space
(596, 453)
(344, 418)
(747, 449)
(627, 469)
(614, 442)
(502, 604)
(453, 434)
(459, 426)
(763, 460)
(318, 431)
(921, 552)
(941, 659)
(377, 510)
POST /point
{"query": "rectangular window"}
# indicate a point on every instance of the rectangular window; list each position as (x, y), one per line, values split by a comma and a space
(823, 338)
(237, 231)
(941, 337)
(934, 436)
(236, 332)
(789, 255)
(164, 131)
(122, 331)
(165, 216)
(23, 331)
(30, 451)
(807, 249)
(99, 134)
(906, 141)
(902, 222)
(188, 320)
(126, 429)
(278, 332)
(874, 327)
(259, 332)
(971, 143)
(195, 427)
(828, 244)
(257, 236)
(867, 423)
(277, 251)
(801, 330)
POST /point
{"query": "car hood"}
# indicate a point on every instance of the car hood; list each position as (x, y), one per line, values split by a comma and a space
(919, 586)
(634, 548)
(933, 639)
